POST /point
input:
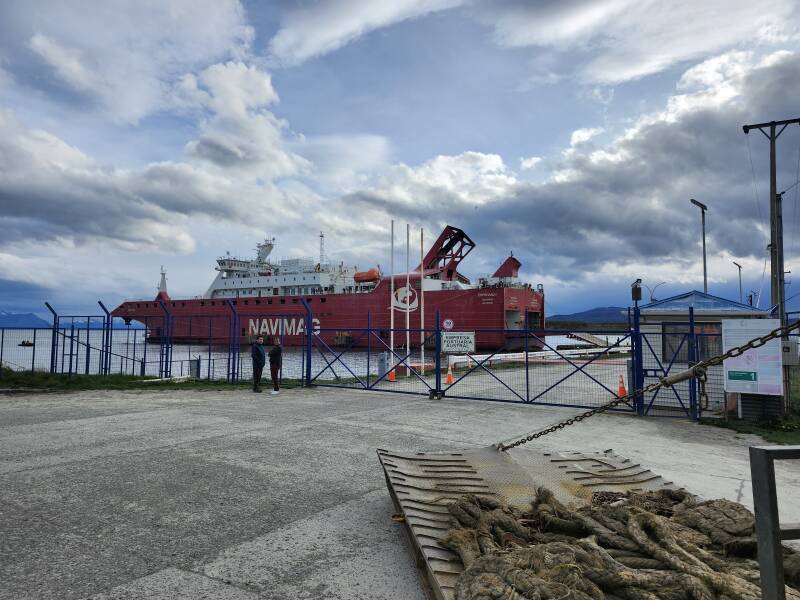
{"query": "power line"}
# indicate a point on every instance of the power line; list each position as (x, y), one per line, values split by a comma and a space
(761, 286)
(796, 189)
(755, 184)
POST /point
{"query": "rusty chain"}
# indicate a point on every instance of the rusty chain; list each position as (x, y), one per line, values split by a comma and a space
(699, 371)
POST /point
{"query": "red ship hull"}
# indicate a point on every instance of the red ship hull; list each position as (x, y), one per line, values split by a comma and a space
(494, 313)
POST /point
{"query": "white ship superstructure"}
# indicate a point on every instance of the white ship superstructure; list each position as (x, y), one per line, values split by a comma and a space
(259, 277)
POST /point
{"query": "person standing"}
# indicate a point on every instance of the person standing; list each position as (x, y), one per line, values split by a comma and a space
(259, 360)
(275, 355)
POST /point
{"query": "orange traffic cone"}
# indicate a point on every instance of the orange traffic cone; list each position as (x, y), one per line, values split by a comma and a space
(449, 380)
(391, 375)
(621, 391)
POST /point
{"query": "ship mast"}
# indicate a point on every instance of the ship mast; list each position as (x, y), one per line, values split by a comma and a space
(321, 249)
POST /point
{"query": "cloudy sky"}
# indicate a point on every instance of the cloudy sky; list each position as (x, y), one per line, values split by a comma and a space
(141, 134)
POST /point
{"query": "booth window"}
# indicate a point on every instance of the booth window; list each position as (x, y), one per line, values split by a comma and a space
(675, 339)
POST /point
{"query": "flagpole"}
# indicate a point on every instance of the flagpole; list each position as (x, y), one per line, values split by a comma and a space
(391, 298)
(422, 299)
(408, 297)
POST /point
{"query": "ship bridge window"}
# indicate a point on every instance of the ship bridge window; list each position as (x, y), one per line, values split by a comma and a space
(245, 302)
(283, 300)
(269, 301)
(322, 300)
(137, 305)
(212, 303)
(258, 301)
(294, 300)
(202, 303)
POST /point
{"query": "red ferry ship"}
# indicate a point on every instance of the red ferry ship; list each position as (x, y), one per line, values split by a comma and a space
(270, 298)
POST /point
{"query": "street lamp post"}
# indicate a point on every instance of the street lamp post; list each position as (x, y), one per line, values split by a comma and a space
(703, 208)
(740, 280)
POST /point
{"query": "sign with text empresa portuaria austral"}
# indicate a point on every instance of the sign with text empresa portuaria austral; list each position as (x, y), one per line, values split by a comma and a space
(458, 342)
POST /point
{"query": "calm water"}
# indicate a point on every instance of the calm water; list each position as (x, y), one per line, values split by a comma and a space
(129, 353)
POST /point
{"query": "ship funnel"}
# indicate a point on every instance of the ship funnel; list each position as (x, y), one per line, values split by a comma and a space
(162, 287)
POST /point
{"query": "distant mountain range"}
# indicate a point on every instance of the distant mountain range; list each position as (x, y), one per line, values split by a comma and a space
(8, 319)
(30, 321)
(602, 314)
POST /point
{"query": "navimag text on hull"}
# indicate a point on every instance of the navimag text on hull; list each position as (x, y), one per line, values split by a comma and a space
(266, 295)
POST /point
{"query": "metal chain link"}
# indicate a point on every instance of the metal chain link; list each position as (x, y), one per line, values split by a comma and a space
(699, 371)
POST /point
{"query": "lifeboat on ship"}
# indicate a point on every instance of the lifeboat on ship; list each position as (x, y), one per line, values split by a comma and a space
(370, 276)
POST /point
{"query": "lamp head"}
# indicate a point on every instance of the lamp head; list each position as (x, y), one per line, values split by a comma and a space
(700, 205)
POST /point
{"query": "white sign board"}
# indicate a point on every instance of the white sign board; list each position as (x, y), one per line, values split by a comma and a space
(757, 371)
(458, 342)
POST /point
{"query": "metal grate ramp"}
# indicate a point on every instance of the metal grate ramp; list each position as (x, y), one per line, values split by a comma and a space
(422, 484)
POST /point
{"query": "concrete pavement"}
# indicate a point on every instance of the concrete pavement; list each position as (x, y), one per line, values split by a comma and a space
(226, 494)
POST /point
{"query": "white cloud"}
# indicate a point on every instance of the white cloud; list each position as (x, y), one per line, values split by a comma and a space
(50, 190)
(471, 178)
(68, 64)
(629, 39)
(241, 136)
(529, 163)
(319, 28)
(581, 136)
(342, 163)
(126, 57)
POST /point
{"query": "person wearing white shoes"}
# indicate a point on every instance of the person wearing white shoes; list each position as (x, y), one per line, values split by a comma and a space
(259, 358)
(275, 355)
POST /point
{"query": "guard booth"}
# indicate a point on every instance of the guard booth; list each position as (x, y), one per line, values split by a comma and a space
(673, 336)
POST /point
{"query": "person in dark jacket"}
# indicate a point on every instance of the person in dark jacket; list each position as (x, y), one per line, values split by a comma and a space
(259, 360)
(275, 356)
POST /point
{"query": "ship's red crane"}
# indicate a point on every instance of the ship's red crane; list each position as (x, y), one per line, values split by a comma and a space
(448, 250)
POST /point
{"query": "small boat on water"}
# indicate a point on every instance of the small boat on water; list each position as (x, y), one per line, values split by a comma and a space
(25, 343)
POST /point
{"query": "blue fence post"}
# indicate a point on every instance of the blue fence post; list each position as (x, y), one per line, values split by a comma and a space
(233, 343)
(309, 343)
(210, 320)
(105, 352)
(71, 345)
(128, 351)
(527, 372)
(54, 339)
(33, 354)
(693, 357)
(438, 362)
(144, 347)
(306, 370)
(88, 347)
(133, 358)
(638, 363)
(165, 360)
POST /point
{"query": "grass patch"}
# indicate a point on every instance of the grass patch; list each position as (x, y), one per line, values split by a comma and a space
(776, 431)
(56, 382)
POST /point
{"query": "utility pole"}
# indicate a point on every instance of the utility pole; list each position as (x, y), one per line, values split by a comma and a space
(740, 280)
(772, 133)
(776, 229)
